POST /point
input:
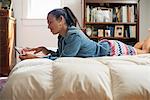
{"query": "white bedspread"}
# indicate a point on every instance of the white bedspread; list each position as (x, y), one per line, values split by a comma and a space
(70, 78)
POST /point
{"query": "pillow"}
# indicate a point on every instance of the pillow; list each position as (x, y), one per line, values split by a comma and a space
(130, 77)
(29, 80)
(80, 79)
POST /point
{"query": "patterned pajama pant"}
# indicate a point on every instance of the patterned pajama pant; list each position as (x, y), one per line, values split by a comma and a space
(119, 48)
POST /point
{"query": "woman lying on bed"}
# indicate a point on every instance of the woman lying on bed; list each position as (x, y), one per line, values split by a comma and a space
(72, 42)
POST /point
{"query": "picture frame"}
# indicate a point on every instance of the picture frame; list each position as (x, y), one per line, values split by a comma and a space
(107, 33)
(100, 33)
(119, 31)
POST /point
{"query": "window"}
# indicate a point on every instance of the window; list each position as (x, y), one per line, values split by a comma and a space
(38, 9)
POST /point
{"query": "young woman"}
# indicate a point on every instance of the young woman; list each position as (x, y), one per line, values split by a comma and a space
(72, 42)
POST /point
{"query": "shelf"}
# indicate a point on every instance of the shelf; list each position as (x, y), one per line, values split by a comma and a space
(129, 41)
(113, 1)
(110, 23)
(124, 38)
(113, 19)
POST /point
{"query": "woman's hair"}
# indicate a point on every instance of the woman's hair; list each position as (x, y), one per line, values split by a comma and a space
(70, 18)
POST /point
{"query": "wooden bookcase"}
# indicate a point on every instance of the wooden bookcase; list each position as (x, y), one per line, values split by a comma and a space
(112, 19)
(7, 42)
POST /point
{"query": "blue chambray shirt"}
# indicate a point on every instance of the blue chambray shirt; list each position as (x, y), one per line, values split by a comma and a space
(76, 44)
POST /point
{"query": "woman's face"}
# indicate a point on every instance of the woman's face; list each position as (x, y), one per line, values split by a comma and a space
(53, 24)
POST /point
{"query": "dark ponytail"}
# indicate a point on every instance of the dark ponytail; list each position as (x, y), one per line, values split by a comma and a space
(70, 18)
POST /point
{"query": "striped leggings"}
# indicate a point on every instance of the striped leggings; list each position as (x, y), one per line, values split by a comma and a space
(119, 48)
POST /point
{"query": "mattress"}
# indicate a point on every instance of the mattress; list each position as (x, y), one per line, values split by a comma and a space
(73, 78)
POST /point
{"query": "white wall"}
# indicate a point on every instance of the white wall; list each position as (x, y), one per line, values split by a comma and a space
(31, 33)
(144, 18)
(75, 6)
(148, 16)
(34, 32)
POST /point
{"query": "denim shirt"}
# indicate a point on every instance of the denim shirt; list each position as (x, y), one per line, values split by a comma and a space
(76, 44)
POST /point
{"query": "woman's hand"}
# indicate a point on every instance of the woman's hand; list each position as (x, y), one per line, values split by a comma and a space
(27, 56)
(38, 49)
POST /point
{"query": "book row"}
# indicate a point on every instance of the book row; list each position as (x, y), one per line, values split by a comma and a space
(125, 13)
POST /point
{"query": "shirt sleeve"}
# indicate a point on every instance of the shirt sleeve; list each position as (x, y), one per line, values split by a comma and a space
(51, 57)
(54, 53)
(72, 46)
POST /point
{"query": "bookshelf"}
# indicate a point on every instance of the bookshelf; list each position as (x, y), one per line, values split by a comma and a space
(7, 38)
(112, 19)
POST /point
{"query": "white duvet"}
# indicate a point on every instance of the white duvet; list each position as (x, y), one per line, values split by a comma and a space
(70, 78)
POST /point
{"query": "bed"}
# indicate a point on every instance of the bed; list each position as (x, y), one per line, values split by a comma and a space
(72, 78)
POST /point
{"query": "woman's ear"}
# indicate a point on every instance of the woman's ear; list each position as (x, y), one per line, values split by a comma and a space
(60, 18)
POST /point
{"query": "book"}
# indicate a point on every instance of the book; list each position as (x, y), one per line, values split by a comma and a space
(127, 32)
(24, 51)
(132, 30)
(130, 14)
(111, 28)
(88, 13)
(124, 13)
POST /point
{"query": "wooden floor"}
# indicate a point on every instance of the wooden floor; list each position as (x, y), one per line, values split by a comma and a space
(3, 80)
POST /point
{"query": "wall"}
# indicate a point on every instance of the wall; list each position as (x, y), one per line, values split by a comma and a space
(34, 32)
(148, 16)
(144, 19)
(31, 32)
(75, 6)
